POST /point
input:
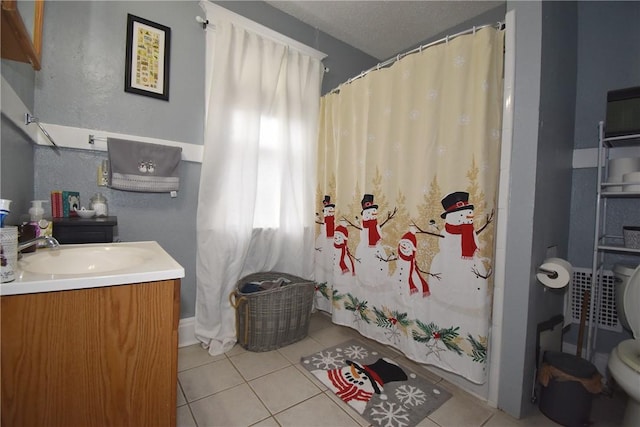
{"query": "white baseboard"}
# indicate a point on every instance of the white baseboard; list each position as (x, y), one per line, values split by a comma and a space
(187, 332)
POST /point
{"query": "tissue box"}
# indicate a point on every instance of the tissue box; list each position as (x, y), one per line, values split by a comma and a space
(631, 237)
(70, 202)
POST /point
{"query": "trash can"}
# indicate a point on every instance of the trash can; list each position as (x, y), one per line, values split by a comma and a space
(568, 385)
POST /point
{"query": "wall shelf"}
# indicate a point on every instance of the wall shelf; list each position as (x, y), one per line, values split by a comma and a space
(17, 44)
(605, 242)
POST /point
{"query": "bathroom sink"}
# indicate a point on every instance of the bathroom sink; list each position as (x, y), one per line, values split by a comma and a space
(84, 260)
(91, 265)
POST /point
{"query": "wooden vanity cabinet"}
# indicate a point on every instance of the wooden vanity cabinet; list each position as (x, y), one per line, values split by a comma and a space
(91, 357)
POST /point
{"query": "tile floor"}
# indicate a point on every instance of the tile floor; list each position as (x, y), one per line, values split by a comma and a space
(243, 388)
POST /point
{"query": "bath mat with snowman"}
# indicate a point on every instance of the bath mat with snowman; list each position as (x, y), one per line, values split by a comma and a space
(382, 391)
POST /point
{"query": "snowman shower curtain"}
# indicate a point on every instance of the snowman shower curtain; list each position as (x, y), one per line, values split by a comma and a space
(407, 191)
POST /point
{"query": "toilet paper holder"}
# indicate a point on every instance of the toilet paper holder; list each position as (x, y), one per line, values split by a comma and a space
(550, 273)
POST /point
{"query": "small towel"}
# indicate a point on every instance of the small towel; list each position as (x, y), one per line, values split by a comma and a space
(144, 167)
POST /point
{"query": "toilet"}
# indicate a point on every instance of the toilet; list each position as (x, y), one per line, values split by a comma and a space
(624, 360)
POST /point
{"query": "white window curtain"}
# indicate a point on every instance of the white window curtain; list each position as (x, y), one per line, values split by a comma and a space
(257, 184)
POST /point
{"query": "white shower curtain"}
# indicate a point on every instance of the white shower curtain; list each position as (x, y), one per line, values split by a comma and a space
(407, 186)
(255, 203)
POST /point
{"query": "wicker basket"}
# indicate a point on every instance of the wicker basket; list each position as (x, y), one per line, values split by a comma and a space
(631, 237)
(270, 319)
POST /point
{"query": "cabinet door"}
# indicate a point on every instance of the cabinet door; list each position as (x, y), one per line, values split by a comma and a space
(17, 43)
(91, 357)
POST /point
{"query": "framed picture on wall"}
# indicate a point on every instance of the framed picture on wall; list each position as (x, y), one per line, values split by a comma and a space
(147, 58)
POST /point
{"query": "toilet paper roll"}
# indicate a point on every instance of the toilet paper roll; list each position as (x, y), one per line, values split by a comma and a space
(631, 177)
(618, 167)
(561, 267)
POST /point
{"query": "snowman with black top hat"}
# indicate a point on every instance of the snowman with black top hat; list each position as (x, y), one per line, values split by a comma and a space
(373, 260)
(324, 241)
(461, 295)
(357, 383)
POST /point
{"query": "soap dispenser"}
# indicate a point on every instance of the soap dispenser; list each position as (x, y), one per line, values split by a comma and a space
(43, 227)
(99, 204)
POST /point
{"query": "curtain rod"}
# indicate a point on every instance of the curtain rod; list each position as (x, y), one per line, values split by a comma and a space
(499, 25)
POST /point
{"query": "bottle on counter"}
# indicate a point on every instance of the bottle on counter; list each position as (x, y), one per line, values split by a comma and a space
(4, 210)
(42, 225)
(99, 204)
(36, 213)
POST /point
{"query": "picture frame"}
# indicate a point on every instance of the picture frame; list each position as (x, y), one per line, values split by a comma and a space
(147, 58)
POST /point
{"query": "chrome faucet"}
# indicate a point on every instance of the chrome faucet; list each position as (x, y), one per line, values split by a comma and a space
(51, 242)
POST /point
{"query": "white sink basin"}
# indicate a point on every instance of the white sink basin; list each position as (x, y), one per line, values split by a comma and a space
(72, 267)
(84, 260)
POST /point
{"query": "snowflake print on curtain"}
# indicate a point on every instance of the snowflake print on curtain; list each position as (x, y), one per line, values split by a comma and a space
(407, 188)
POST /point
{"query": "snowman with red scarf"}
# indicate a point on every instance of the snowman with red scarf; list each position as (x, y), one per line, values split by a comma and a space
(461, 295)
(344, 269)
(373, 268)
(324, 241)
(407, 279)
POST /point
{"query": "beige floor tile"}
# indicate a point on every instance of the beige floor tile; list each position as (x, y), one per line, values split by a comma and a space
(461, 410)
(253, 365)
(194, 355)
(208, 379)
(237, 406)
(319, 320)
(427, 423)
(310, 377)
(269, 422)
(302, 348)
(237, 349)
(347, 408)
(332, 336)
(284, 388)
(180, 400)
(215, 389)
(318, 411)
(456, 391)
(501, 419)
(184, 417)
(538, 419)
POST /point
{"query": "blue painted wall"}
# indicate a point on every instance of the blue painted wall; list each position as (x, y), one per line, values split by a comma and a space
(16, 150)
(81, 84)
(608, 59)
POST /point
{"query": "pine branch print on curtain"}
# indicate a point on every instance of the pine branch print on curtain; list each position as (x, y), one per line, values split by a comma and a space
(407, 190)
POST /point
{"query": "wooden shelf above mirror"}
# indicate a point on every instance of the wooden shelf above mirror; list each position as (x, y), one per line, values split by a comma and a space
(17, 44)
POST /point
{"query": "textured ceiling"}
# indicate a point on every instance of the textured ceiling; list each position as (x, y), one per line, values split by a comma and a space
(384, 28)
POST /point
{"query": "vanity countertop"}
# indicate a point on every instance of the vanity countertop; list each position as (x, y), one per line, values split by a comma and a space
(84, 266)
